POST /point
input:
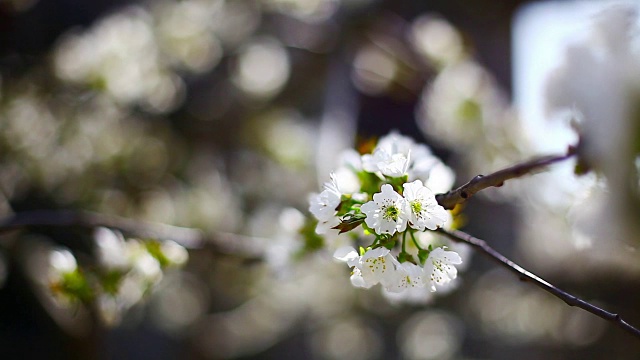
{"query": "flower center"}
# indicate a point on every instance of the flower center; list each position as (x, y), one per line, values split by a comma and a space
(416, 207)
(391, 213)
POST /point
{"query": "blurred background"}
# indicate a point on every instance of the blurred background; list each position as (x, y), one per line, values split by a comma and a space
(223, 115)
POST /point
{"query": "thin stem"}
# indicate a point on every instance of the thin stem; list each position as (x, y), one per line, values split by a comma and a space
(450, 199)
(404, 242)
(413, 237)
(569, 299)
(375, 242)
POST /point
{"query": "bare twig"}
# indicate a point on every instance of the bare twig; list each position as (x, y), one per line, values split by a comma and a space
(450, 199)
(571, 300)
(187, 237)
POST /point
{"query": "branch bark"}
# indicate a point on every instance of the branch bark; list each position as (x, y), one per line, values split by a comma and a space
(188, 237)
(526, 275)
(450, 199)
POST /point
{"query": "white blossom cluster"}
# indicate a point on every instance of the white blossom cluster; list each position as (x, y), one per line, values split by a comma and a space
(126, 270)
(379, 266)
(390, 193)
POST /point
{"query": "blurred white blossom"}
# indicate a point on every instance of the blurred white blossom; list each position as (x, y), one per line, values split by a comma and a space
(62, 262)
(437, 40)
(112, 249)
(262, 68)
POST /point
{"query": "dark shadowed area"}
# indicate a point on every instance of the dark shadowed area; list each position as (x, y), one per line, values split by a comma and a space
(163, 153)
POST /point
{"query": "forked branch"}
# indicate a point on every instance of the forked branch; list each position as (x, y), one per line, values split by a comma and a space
(450, 199)
(526, 275)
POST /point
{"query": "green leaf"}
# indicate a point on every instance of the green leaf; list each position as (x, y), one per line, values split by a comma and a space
(350, 222)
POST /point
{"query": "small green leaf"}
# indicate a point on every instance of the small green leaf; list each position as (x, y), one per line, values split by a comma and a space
(423, 255)
(350, 222)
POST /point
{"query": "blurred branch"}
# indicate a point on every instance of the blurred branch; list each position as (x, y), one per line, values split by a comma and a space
(525, 275)
(450, 199)
(188, 237)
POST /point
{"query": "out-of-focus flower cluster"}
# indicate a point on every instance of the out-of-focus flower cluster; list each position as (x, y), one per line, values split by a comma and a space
(133, 54)
(383, 192)
(460, 103)
(574, 214)
(125, 271)
(463, 107)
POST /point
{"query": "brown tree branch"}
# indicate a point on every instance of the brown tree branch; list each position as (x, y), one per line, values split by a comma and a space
(571, 300)
(188, 237)
(450, 199)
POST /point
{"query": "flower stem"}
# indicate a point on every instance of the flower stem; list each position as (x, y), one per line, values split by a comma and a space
(404, 242)
(413, 237)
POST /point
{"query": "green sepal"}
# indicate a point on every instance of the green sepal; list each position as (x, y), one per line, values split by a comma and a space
(423, 254)
(581, 167)
(154, 249)
(111, 281)
(397, 182)
(403, 257)
(76, 285)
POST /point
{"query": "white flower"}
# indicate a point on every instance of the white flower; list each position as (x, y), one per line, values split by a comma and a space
(174, 252)
(440, 177)
(421, 208)
(385, 213)
(148, 268)
(346, 180)
(111, 249)
(437, 40)
(389, 155)
(347, 254)
(375, 266)
(323, 206)
(426, 167)
(326, 227)
(393, 164)
(350, 159)
(61, 262)
(439, 269)
(406, 276)
(395, 142)
(462, 105)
